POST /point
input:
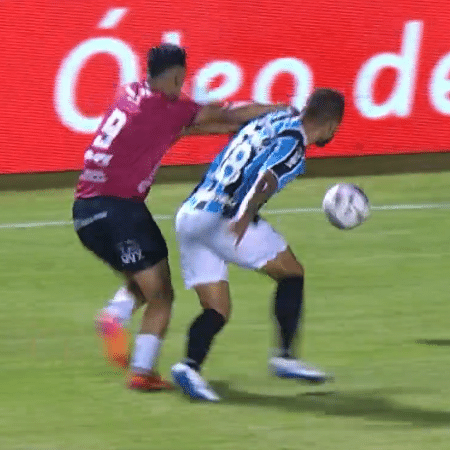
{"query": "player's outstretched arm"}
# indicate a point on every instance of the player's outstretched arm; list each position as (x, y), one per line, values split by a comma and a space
(242, 114)
(264, 188)
(237, 115)
(211, 128)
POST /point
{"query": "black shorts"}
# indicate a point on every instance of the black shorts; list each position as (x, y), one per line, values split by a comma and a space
(119, 231)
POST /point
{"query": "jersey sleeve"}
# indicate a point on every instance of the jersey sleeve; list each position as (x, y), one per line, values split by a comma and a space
(287, 161)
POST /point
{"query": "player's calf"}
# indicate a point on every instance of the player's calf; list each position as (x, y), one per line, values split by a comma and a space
(287, 310)
(289, 275)
(216, 303)
(201, 335)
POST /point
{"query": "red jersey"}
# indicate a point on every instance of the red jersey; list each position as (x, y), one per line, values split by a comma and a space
(132, 139)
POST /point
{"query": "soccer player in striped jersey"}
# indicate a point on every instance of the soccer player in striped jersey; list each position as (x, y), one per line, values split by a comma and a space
(219, 224)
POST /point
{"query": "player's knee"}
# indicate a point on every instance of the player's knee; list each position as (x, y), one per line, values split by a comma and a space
(166, 293)
(223, 308)
(292, 267)
(226, 314)
(162, 294)
(292, 270)
(215, 296)
(297, 270)
(291, 283)
(283, 266)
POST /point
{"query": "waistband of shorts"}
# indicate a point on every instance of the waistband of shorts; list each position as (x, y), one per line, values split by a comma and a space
(109, 198)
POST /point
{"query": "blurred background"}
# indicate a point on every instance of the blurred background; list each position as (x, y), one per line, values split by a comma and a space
(62, 63)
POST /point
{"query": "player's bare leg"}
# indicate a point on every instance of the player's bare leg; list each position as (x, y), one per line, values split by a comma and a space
(215, 296)
(155, 285)
(156, 288)
(284, 265)
(135, 292)
(289, 275)
(216, 302)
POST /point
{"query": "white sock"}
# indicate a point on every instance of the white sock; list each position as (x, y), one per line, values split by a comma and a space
(121, 306)
(146, 352)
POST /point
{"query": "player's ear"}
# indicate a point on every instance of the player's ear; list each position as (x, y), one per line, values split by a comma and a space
(179, 77)
(332, 125)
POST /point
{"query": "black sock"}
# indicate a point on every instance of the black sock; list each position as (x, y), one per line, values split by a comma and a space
(201, 335)
(288, 306)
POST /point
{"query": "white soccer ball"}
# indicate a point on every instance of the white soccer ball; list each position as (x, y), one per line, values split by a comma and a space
(346, 206)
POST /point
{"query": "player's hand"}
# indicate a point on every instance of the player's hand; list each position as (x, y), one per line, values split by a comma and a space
(240, 227)
(282, 105)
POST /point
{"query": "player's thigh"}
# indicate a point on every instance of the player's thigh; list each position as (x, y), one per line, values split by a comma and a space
(215, 296)
(261, 243)
(284, 265)
(199, 264)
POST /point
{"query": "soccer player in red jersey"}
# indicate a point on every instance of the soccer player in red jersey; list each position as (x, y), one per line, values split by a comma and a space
(109, 212)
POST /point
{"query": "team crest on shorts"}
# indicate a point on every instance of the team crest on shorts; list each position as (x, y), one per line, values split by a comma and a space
(130, 251)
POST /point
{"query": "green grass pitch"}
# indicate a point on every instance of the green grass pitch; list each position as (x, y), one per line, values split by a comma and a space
(376, 298)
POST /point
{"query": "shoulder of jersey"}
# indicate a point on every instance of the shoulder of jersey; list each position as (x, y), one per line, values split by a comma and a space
(185, 98)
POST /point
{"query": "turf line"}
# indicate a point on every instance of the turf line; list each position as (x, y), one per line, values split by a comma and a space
(401, 207)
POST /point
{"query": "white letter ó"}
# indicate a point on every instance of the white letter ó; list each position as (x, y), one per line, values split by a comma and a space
(66, 79)
(233, 78)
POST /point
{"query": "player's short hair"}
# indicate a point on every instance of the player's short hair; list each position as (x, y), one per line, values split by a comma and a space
(324, 105)
(164, 57)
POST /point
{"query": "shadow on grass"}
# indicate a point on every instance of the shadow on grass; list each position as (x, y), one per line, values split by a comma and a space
(436, 342)
(368, 404)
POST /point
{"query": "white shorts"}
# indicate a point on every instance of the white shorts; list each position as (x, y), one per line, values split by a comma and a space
(207, 246)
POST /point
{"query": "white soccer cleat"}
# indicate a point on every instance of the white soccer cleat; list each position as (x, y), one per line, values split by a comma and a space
(192, 384)
(295, 368)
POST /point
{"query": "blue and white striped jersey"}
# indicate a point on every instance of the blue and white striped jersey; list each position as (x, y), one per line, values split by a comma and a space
(275, 141)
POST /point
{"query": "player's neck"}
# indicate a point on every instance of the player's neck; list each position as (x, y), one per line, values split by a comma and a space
(161, 85)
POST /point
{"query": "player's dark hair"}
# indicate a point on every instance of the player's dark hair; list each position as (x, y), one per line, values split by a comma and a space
(163, 57)
(324, 105)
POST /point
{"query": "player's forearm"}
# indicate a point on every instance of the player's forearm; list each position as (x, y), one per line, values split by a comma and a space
(245, 113)
(264, 189)
(211, 128)
(214, 113)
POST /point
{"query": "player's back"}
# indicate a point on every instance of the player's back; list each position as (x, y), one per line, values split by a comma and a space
(132, 139)
(275, 139)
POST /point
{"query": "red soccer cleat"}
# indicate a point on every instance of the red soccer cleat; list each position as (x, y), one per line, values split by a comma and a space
(115, 339)
(146, 383)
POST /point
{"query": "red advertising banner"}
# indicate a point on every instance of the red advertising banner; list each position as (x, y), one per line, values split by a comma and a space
(62, 62)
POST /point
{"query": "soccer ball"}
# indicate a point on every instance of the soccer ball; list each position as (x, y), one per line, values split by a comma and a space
(346, 206)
